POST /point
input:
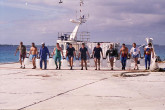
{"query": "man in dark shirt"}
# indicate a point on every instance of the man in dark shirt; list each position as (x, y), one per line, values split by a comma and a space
(96, 52)
(83, 52)
(43, 55)
(70, 53)
(22, 53)
(112, 54)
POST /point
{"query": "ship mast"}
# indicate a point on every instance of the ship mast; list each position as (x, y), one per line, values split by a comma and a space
(78, 22)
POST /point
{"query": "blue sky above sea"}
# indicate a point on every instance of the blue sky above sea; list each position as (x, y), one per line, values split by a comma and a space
(123, 21)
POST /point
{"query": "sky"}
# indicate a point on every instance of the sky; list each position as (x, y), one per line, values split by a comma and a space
(121, 21)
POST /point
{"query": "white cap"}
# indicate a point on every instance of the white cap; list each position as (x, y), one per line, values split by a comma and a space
(43, 43)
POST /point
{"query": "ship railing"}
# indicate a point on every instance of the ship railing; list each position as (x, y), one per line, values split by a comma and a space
(80, 36)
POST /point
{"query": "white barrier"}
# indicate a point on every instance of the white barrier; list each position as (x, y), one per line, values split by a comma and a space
(51, 62)
(64, 63)
(104, 63)
(154, 64)
(26, 61)
(118, 64)
(128, 63)
(38, 63)
(76, 63)
(142, 62)
(92, 63)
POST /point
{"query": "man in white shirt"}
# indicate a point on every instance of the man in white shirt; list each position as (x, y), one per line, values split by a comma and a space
(135, 52)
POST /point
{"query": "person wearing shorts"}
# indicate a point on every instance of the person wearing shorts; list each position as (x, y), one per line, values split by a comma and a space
(96, 52)
(70, 53)
(83, 52)
(22, 53)
(34, 53)
(135, 52)
(112, 54)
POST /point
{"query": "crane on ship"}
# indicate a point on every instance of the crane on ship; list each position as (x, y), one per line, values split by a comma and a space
(78, 21)
(60, 2)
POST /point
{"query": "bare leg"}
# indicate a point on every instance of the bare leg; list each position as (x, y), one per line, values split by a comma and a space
(99, 63)
(136, 65)
(23, 62)
(85, 64)
(20, 60)
(81, 64)
(95, 63)
(111, 62)
(71, 61)
(33, 60)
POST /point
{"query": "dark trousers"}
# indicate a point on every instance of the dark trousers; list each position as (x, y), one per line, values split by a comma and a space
(123, 62)
(147, 60)
(45, 63)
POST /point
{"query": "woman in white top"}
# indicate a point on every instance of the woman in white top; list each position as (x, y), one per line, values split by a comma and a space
(135, 52)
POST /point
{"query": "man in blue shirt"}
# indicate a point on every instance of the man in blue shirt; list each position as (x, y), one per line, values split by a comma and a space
(43, 55)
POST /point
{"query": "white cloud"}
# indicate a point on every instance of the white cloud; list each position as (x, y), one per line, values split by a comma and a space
(117, 18)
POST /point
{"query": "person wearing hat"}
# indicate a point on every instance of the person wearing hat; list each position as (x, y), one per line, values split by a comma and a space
(70, 53)
(96, 52)
(43, 55)
(147, 54)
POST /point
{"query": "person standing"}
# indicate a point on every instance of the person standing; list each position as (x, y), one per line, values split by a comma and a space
(112, 54)
(124, 54)
(57, 52)
(34, 53)
(96, 52)
(43, 55)
(83, 52)
(70, 53)
(147, 53)
(135, 52)
(22, 53)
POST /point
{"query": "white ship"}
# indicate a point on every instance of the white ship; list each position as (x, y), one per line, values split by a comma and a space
(76, 38)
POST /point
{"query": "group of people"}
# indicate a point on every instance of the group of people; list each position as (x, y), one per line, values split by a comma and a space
(97, 53)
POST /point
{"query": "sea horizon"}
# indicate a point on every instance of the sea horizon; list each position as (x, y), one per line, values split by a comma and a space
(54, 45)
(7, 51)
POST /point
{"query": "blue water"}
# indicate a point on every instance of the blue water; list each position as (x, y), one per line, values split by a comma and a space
(7, 52)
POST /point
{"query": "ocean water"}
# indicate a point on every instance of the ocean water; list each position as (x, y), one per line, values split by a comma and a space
(7, 52)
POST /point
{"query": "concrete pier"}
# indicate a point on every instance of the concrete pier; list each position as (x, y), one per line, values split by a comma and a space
(79, 90)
